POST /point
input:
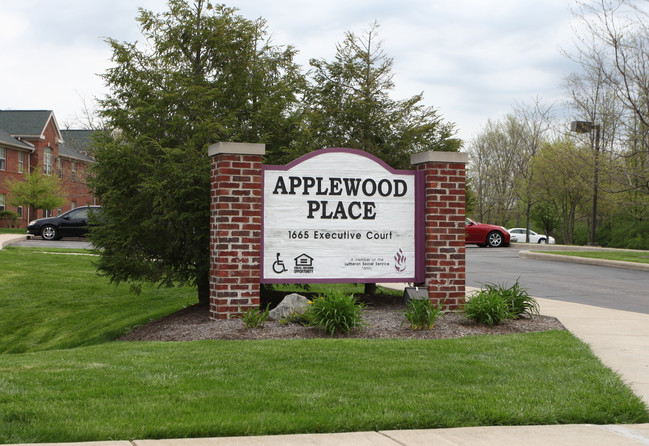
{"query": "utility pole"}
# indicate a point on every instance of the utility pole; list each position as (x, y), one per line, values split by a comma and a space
(587, 127)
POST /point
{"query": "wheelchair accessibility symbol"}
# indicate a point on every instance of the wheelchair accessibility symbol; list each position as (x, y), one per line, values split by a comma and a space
(278, 266)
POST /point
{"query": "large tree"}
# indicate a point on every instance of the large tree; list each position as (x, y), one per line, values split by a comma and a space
(535, 121)
(611, 49)
(502, 170)
(202, 74)
(561, 177)
(349, 105)
(497, 158)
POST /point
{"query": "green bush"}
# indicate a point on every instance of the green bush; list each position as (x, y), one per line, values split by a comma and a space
(422, 314)
(624, 232)
(254, 318)
(494, 303)
(517, 298)
(336, 312)
(10, 216)
(488, 307)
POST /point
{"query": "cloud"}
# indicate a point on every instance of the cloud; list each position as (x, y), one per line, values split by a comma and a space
(472, 59)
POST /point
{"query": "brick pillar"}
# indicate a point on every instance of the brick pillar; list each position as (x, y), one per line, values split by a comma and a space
(235, 239)
(445, 179)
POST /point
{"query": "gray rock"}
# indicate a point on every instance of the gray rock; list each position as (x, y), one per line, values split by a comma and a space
(293, 303)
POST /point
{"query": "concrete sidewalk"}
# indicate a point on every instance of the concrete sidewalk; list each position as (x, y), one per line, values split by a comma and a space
(619, 338)
(8, 239)
(565, 435)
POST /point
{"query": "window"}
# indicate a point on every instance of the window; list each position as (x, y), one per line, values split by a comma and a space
(3, 158)
(21, 162)
(2, 202)
(20, 212)
(79, 213)
(59, 168)
(47, 161)
(74, 205)
(47, 213)
(74, 171)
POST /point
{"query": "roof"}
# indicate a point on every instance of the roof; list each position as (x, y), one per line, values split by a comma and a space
(27, 124)
(76, 144)
(6, 140)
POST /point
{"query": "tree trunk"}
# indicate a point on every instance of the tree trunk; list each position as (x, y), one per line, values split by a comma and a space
(203, 285)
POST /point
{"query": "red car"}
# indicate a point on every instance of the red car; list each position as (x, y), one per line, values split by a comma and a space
(486, 235)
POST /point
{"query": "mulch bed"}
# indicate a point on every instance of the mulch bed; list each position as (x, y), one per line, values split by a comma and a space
(383, 315)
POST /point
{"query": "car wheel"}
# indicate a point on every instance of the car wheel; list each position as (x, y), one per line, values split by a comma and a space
(542, 241)
(49, 232)
(495, 239)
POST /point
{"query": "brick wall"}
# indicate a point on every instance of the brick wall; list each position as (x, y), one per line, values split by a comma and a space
(235, 228)
(76, 188)
(445, 179)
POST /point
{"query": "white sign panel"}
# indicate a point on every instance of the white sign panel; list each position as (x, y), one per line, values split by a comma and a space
(338, 215)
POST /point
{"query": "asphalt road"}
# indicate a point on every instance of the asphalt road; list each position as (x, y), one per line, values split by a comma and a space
(601, 286)
(615, 288)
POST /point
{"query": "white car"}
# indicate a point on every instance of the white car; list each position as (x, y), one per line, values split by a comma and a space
(518, 235)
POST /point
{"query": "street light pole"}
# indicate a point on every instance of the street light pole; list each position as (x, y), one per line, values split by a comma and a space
(586, 127)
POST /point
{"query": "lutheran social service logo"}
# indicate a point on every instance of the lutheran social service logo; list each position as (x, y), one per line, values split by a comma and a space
(400, 261)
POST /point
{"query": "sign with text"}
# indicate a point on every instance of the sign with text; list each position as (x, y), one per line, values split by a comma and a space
(341, 215)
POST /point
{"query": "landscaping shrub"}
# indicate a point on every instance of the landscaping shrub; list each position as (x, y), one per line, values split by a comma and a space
(517, 298)
(254, 318)
(422, 314)
(494, 303)
(336, 312)
(487, 307)
(10, 216)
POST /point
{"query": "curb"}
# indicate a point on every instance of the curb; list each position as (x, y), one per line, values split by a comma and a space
(583, 260)
(8, 239)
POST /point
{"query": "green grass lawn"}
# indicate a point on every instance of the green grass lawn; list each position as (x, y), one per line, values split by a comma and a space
(55, 300)
(223, 388)
(13, 231)
(624, 256)
(57, 387)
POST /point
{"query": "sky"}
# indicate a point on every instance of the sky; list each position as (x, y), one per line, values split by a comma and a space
(473, 60)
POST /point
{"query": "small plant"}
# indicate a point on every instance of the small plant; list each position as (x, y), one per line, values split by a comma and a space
(422, 314)
(336, 312)
(488, 307)
(519, 301)
(296, 318)
(254, 318)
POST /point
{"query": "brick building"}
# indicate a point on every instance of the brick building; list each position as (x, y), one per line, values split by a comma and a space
(32, 139)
